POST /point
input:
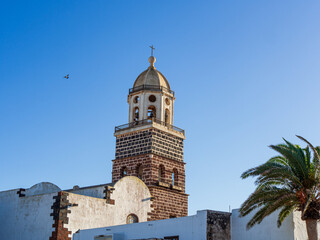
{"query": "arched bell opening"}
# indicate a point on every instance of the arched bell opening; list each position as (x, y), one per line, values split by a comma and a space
(175, 177)
(123, 172)
(139, 171)
(167, 116)
(161, 173)
(151, 112)
(136, 114)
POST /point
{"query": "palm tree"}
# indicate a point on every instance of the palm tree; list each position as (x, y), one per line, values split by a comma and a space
(288, 182)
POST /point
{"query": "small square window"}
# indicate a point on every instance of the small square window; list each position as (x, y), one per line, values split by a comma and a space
(172, 238)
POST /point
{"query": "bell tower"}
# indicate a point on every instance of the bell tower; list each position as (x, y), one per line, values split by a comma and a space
(150, 147)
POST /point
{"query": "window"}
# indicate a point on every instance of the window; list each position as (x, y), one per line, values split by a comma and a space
(161, 173)
(167, 116)
(103, 237)
(136, 99)
(123, 172)
(172, 238)
(151, 112)
(136, 114)
(175, 177)
(139, 171)
(132, 218)
(167, 101)
(152, 98)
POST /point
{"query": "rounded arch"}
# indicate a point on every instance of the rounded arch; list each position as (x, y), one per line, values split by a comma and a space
(136, 114)
(161, 173)
(139, 170)
(132, 218)
(152, 112)
(136, 99)
(123, 171)
(167, 116)
(175, 177)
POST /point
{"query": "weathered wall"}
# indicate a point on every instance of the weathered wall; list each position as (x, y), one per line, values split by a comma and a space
(131, 196)
(187, 228)
(267, 230)
(218, 225)
(56, 215)
(25, 218)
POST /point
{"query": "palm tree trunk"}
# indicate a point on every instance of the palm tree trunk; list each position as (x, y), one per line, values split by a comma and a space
(312, 230)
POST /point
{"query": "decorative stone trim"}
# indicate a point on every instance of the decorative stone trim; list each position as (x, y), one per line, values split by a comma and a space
(163, 184)
(174, 187)
(60, 216)
(108, 191)
(21, 192)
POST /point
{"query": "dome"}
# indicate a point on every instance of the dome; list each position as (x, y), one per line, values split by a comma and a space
(151, 76)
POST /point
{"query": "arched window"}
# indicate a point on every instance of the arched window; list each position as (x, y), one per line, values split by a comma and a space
(123, 172)
(151, 112)
(132, 218)
(136, 114)
(161, 173)
(175, 177)
(136, 99)
(167, 116)
(139, 171)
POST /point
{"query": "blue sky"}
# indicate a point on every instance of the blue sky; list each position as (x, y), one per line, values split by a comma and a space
(245, 73)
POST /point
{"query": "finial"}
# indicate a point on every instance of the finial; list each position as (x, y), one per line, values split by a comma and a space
(152, 59)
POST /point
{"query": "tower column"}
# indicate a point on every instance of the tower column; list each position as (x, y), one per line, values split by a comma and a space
(153, 149)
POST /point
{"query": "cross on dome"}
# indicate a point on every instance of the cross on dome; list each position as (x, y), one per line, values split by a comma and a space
(152, 48)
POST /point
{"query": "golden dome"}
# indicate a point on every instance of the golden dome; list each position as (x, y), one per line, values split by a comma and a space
(152, 77)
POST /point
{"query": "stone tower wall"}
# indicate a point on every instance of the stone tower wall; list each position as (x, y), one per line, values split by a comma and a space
(169, 201)
(149, 141)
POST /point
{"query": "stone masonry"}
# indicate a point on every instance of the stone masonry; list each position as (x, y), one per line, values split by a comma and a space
(59, 213)
(169, 201)
(149, 141)
(218, 225)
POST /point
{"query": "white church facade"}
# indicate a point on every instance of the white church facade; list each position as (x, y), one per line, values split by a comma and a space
(147, 188)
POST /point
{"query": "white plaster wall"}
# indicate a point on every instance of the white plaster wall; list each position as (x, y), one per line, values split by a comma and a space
(267, 230)
(90, 212)
(8, 212)
(25, 218)
(300, 231)
(188, 228)
(131, 195)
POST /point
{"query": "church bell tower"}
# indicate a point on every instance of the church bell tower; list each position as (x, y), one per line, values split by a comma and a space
(150, 147)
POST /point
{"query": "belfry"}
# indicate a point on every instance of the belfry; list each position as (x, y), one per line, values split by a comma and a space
(150, 147)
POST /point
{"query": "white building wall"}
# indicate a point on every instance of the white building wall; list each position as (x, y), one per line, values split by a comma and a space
(25, 218)
(267, 230)
(188, 228)
(131, 195)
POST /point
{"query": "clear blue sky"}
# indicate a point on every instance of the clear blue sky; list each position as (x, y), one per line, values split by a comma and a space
(245, 73)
